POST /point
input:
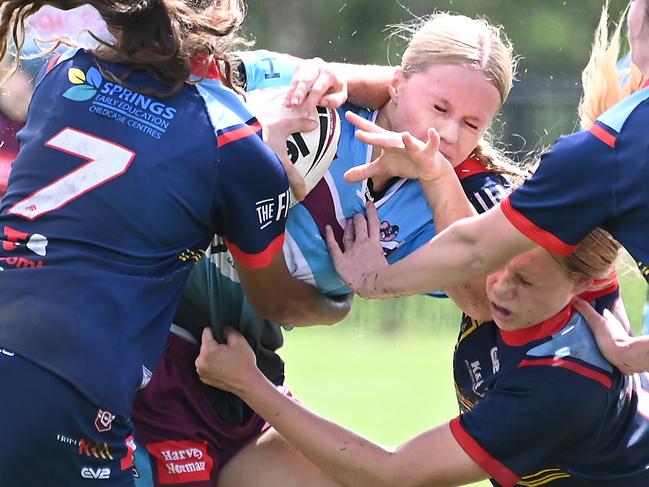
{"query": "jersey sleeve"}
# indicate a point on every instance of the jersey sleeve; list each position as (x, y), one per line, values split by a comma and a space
(531, 415)
(266, 69)
(252, 197)
(571, 193)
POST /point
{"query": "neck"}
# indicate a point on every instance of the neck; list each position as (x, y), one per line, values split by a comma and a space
(520, 335)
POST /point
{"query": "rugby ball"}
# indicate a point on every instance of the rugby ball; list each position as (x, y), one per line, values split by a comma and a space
(310, 152)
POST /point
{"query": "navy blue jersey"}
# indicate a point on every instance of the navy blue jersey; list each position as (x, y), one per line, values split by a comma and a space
(113, 197)
(541, 406)
(597, 178)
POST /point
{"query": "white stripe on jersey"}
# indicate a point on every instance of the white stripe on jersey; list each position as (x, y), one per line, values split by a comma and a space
(481, 201)
(295, 261)
(495, 199)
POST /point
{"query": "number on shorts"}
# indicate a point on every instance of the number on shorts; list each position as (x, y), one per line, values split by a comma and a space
(106, 161)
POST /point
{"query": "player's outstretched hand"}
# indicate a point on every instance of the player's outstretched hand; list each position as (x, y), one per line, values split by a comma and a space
(402, 154)
(362, 254)
(629, 354)
(275, 130)
(316, 83)
(230, 366)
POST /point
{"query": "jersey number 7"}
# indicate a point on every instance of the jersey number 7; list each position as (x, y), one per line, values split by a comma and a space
(106, 161)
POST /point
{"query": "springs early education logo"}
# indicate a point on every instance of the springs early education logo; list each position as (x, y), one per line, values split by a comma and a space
(86, 85)
(111, 100)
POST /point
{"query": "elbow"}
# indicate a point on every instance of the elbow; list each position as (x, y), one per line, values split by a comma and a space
(280, 311)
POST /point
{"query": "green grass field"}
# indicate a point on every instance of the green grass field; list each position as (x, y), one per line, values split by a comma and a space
(385, 372)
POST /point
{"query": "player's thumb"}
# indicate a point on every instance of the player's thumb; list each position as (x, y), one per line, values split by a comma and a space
(596, 322)
(300, 124)
(295, 179)
(233, 337)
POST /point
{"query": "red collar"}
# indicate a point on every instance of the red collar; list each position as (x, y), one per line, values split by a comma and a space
(205, 67)
(518, 338)
(645, 85)
(469, 168)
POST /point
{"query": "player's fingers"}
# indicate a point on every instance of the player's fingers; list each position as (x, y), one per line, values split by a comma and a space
(348, 236)
(360, 226)
(362, 123)
(433, 140)
(596, 321)
(336, 99)
(320, 87)
(363, 172)
(412, 143)
(207, 338)
(295, 179)
(385, 140)
(304, 76)
(292, 125)
(233, 338)
(373, 224)
(334, 249)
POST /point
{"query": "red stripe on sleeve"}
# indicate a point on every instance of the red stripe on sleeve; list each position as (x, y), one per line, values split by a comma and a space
(572, 366)
(606, 137)
(489, 464)
(260, 260)
(240, 133)
(52, 63)
(542, 237)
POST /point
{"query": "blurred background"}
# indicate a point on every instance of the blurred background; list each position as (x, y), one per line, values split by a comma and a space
(386, 370)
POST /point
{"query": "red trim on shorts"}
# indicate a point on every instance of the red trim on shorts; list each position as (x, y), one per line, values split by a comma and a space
(479, 455)
(554, 324)
(238, 134)
(541, 237)
(468, 168)
(572, 366)
(602, 134)
(260, 260)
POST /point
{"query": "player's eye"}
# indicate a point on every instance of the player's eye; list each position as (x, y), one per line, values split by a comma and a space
(440, 108)
(524, 281)
(472, 126)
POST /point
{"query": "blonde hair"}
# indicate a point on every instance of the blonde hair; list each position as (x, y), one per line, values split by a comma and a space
(444, 38)
(594, 259)
(604, 84)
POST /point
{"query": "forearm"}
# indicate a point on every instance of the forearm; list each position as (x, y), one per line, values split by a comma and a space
(309, 307)
(367, 85)
(449, 204)
(469, 249)
(350, 459)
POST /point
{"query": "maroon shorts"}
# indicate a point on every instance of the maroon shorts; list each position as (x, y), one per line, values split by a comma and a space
(181, 439)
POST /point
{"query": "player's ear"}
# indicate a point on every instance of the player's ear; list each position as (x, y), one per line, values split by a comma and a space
(583, 284)
(395, 85)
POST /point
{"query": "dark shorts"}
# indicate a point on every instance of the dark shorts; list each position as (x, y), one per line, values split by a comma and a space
(52, 436)
(181, 439)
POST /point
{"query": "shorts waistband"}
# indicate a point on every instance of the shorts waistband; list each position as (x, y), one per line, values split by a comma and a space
(181, 345)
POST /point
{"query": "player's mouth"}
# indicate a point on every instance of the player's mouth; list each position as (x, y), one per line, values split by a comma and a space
(498, 312)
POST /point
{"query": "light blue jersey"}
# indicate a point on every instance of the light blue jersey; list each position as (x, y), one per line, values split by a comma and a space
(406, 221)
(213, 294)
